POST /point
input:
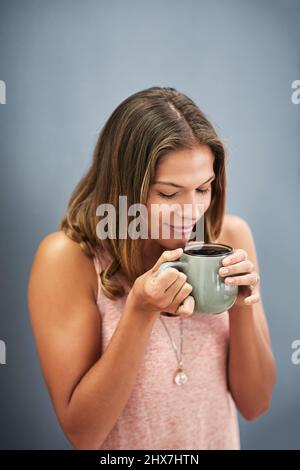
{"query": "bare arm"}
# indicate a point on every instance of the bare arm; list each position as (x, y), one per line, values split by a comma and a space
(252, 369)
(88, 390)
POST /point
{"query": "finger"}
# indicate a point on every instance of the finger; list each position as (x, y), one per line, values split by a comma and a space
(252, 299)
(167, 255)
(164, 279)
(175, 287)
(255, 287)
(235, 257)
(176, 297)
(242, 267)
(246, 280)
(187, 307)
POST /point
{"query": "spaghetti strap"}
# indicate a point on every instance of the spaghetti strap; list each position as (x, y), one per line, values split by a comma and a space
(98, 268)
(97, 265)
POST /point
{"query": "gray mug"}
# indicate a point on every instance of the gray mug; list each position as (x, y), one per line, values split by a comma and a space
(201, 263)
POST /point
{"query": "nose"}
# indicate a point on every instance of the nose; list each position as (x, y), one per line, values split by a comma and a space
(192, 211)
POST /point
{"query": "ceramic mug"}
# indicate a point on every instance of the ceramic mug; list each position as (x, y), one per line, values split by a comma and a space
(201, 262)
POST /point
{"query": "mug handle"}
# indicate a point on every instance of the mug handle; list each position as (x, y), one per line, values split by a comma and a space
(171, 264)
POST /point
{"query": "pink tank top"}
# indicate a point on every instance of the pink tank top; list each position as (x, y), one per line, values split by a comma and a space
(160, 414)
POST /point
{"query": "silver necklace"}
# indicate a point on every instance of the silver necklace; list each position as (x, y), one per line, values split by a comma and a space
(180, 376)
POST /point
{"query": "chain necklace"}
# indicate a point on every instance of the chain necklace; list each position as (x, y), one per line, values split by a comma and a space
(180, 376)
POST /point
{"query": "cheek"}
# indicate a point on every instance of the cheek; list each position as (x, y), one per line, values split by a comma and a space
(160, 210)
(154, 211)
(151, 210)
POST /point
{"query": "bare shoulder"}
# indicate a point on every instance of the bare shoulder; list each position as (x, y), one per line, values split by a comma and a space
(58, 256)
(64, 315)
(234, 229)
(233, 220)
(58, 244)
(238, 234)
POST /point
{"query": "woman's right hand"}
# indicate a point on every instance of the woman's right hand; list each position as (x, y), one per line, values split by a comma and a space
(167, 291)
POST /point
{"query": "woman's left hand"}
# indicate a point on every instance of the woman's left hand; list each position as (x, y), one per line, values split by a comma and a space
(243, 274)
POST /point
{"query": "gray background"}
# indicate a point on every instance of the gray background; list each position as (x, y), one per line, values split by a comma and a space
(67, 65)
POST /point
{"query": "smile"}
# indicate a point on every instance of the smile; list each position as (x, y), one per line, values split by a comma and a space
(181, 229)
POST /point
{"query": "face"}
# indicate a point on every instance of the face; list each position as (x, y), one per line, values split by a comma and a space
(182, 189)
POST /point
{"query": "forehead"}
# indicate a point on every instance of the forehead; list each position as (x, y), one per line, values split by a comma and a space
(186, 164)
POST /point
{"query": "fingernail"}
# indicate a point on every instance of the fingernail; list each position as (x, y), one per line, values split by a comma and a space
(224, 271)
(171, 254)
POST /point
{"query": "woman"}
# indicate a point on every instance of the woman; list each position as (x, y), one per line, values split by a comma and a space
(110, 333)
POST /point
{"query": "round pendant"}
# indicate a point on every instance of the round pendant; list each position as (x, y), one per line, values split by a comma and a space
(180, 377)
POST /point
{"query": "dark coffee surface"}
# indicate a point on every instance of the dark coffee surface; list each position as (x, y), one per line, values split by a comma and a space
(207, 251)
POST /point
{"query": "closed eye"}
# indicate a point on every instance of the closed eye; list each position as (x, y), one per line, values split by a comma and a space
(169, 196)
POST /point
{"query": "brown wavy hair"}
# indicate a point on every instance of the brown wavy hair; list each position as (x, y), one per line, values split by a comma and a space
(143, 128)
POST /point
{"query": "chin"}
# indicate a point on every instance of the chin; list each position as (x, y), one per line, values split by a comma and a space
(173, 244)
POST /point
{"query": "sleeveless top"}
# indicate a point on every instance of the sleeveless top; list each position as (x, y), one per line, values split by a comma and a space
(160, 414)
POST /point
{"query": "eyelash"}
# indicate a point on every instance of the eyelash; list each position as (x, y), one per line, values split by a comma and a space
(169, 196)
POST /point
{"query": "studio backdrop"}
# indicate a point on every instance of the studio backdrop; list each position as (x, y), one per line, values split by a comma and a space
(64, 66)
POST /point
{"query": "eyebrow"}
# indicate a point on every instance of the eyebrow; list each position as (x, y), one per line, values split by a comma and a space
(178, 186)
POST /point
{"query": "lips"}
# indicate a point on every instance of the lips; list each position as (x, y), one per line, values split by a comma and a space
(181, 229)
